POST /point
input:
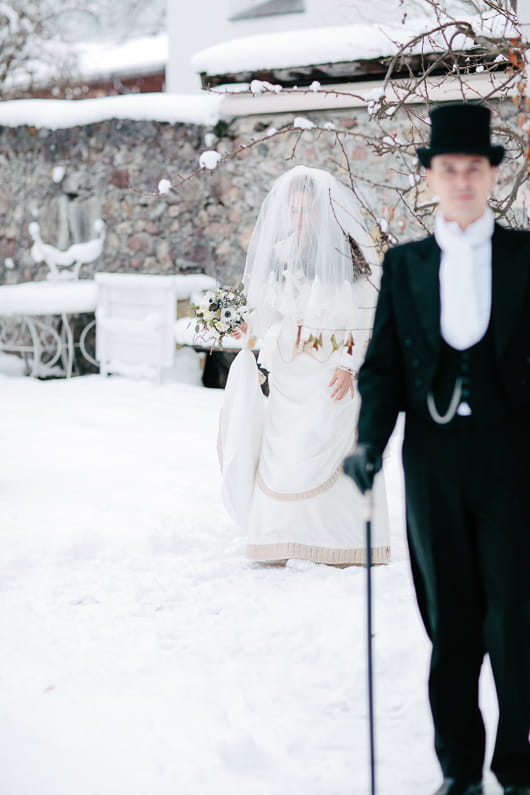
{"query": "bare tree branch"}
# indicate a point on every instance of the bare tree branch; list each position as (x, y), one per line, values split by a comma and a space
(497, 53)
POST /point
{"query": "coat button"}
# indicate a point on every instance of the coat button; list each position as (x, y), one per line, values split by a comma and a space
(408, 342)
(418, 381)
(415, 362)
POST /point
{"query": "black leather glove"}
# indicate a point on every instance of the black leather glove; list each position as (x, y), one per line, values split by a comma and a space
(362, 466)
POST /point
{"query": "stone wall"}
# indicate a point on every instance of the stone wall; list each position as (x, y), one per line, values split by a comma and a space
(65, 179)
(111, 170)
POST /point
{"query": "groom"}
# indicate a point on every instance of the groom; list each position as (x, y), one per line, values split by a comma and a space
(451, 348)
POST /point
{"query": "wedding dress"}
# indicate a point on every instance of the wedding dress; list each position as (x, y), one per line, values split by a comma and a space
(282, 455)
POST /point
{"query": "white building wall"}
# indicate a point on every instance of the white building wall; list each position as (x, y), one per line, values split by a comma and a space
(523, 14)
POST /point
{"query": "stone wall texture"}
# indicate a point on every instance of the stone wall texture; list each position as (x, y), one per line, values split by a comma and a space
(111, 170)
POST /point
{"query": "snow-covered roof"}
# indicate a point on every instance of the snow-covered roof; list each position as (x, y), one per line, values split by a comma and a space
(140, 55)
(327, 45)
(300, 48)
(57, 114)
(92, 60)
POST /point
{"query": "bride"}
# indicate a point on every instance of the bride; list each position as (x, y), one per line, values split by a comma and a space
(309, 280)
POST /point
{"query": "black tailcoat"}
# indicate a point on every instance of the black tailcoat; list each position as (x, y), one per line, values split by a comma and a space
(402, 359)
(467, 493)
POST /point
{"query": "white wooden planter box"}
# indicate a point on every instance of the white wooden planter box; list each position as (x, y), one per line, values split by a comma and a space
(135, 320)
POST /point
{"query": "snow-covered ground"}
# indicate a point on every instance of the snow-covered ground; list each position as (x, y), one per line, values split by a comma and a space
(142, 654)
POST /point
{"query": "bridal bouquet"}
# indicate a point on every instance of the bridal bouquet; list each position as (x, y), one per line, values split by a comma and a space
(220, 311)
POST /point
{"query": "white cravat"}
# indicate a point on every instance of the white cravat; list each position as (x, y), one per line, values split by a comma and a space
(465, 279)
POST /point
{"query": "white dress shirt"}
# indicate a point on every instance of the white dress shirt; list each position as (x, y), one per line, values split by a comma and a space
(465, 279)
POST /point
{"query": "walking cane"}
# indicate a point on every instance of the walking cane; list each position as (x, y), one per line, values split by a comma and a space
(369, 504)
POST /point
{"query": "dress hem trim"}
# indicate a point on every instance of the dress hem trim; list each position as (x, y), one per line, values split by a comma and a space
(300, 495)
(283, 551)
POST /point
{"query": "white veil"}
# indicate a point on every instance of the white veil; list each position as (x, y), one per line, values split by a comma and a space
(309, 258)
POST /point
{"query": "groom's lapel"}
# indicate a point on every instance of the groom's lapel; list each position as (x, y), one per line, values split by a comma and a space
(423, 263)
(511, 273)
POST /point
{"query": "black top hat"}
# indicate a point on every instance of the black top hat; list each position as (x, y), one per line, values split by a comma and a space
(460, 129)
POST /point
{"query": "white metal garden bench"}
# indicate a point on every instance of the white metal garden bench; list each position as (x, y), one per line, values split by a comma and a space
(29, 311)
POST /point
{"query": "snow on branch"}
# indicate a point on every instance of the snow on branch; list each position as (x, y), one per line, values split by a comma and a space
(209, 159)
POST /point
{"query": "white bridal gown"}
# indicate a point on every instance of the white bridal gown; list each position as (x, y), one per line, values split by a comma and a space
(282, 458)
